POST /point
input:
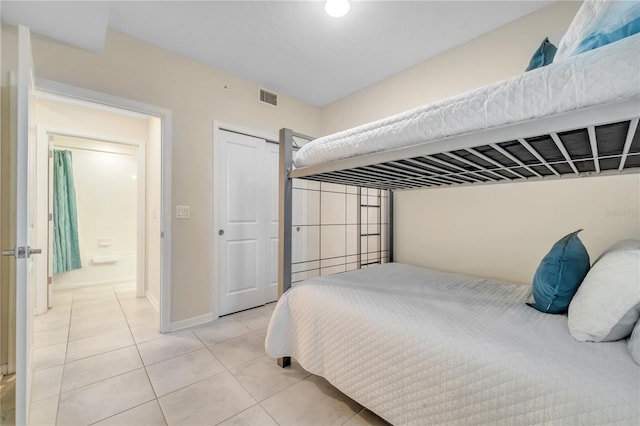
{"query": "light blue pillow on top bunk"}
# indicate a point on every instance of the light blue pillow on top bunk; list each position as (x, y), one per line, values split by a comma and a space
(560, 274)
(622, 19)
(598, 23)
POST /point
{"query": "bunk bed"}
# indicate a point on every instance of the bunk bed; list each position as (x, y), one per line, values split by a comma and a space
(419, 346)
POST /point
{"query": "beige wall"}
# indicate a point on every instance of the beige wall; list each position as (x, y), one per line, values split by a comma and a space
(7, 216)
(499, 231)
(197, 95)
(4, 279)
(503, 231)
(82, 120)
(497, 55)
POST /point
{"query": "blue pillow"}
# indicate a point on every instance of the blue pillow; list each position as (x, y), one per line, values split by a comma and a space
(602, 38)
(543, 55)
(560, 274)
(618, 20)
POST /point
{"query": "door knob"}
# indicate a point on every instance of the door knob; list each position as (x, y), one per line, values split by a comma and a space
(221, 232)
(21, 252)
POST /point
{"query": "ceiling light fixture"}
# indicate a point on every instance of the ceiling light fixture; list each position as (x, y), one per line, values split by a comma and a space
(337, 8)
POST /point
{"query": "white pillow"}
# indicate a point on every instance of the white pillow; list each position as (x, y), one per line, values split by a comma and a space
(634, 343)
(580, 27)
(606, 306)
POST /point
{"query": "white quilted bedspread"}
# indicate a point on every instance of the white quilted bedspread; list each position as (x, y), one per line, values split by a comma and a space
(419, 346)
(610, 73)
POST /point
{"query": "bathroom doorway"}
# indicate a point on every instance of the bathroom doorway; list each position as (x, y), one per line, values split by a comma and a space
(115, 158)
(107, 191)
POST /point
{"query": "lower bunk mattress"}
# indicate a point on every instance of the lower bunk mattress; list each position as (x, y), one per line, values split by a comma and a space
(419, 346)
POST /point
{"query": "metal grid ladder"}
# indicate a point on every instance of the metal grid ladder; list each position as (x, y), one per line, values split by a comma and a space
(371, 250)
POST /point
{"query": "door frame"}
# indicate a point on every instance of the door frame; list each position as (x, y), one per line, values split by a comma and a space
(165, 116)
(45, 133)
(218, 128)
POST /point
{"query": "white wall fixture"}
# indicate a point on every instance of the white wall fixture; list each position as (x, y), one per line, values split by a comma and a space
(183, 212)
(337, 8)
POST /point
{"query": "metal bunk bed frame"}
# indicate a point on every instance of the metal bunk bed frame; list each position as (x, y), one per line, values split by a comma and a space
(594, 141)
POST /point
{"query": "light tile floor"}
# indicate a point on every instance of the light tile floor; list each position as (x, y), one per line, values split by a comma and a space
(99, 359)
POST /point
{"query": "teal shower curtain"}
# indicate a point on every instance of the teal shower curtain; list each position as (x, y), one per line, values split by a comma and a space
(66, 249)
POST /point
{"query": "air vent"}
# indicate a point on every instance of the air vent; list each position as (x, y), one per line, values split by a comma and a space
(268, 97)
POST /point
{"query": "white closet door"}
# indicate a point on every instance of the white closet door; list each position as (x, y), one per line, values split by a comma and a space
(274, 169)
(243, 253)
(299, 232)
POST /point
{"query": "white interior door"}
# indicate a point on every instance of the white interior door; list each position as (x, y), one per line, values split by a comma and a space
(273, 160)
(242, 191)
(22, 119)
(299, 232)
(247, 176)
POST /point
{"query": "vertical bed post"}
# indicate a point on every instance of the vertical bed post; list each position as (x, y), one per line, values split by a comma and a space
(359, 227)
(285, 204)
(390, 225)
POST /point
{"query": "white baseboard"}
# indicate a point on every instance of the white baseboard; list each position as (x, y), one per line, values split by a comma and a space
(192, 322)
(152, 299)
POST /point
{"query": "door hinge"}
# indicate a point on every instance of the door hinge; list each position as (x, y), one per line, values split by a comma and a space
(49, 280)
(50, 153)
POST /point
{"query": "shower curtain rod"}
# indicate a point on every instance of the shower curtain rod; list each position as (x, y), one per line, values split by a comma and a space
(56, 145)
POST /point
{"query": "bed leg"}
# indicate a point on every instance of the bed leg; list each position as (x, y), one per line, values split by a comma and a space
(284, 361)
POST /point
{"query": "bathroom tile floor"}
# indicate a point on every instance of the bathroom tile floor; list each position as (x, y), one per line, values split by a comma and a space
(99, 359)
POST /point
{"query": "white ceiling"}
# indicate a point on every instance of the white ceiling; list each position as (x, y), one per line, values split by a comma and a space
(291, 47)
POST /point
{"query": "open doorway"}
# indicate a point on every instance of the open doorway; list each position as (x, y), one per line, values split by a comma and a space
(116, 160)
(99, 184)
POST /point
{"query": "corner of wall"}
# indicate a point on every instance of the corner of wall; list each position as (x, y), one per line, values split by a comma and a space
(3, 303)
(4, 189)
(493, 56)
(192, 322)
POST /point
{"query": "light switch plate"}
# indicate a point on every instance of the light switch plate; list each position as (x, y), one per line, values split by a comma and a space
(183, 212)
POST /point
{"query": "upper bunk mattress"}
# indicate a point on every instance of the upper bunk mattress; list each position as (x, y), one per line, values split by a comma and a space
(607, 74)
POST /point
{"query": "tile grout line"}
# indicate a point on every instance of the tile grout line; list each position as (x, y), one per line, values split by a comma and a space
(143, 365)
(258, 403)
(251, 332)
(267, 411)
(108, 378)
(64, 364)
(208, 377)
(354, 414)
(241, 385)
